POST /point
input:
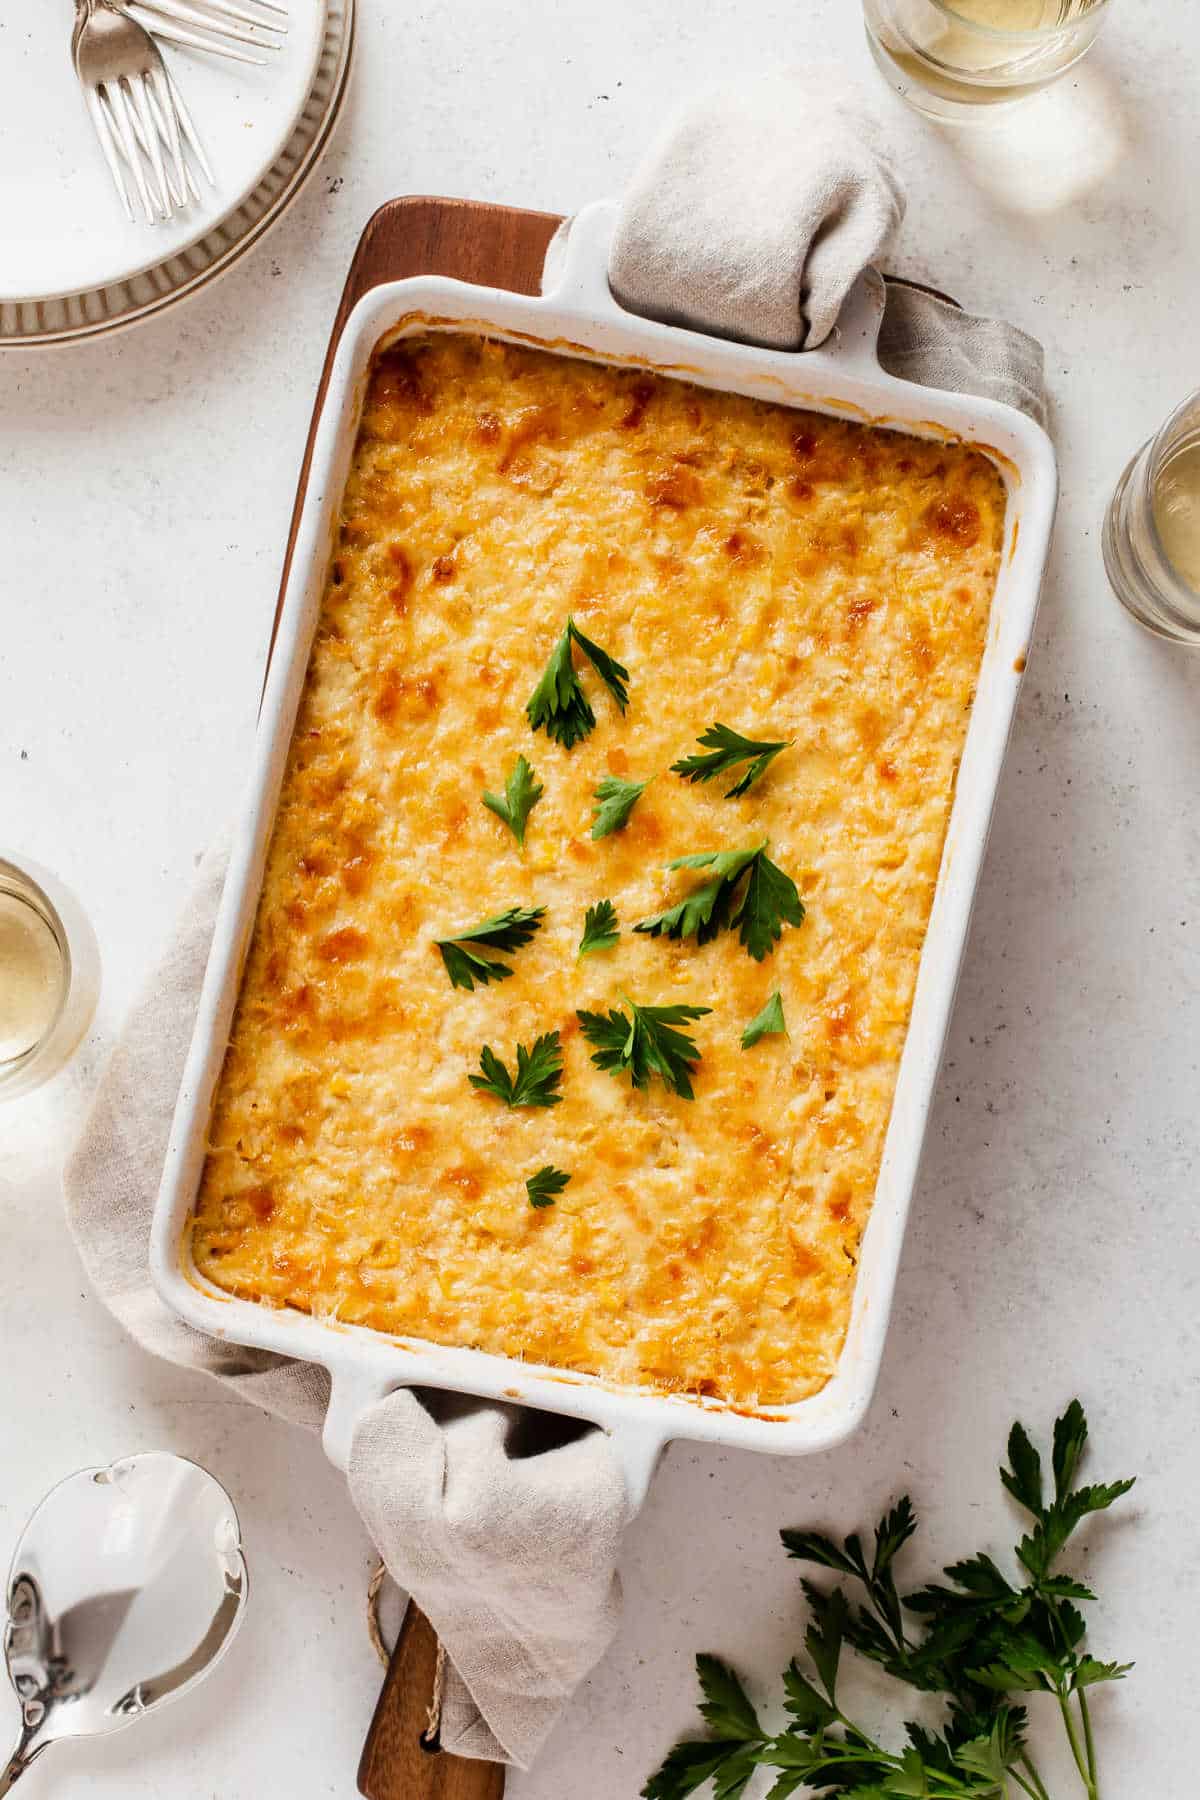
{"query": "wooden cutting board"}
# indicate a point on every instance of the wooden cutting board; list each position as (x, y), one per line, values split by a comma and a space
(493, 246)
(396, 1762)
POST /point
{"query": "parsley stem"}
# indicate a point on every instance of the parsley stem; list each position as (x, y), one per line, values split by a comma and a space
(1089, 1741)
(1064, 1706)
(1025, 1786)
(1039, 1788)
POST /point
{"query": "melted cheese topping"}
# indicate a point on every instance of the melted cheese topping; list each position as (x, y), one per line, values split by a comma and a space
(788, 574)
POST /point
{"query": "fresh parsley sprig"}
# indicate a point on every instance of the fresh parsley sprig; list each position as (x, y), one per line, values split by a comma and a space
(728, 749)
(544, 1187)
(646, 1042)
(558, 704)
(462, 951)
(614, 801)
(538, 1077)
(730, 1757)
(600, 928)
(770, 1022)
(522, 791)
(746, 889)
(980, 1640)
(823, 1749)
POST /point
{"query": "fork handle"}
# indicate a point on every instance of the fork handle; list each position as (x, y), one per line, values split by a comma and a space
(83, 12)
(10, 1775)
(20, 1760)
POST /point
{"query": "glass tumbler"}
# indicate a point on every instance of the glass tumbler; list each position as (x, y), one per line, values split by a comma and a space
(49, 976)
(1151, 539)
(959, 60)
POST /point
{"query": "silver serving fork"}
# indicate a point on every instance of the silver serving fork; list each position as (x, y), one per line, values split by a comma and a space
(137, 111)
(225, 27)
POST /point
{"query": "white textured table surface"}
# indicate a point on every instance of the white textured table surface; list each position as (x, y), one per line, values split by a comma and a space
(145, 488)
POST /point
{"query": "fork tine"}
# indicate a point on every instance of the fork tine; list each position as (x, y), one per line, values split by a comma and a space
(188, 129)
(148, 146)
(234, 10)
(174, 32)
(241, 12)
(265, 5)
(180, 11)
(166, 120)
(115, 99)
(149, 138)
(104, 133)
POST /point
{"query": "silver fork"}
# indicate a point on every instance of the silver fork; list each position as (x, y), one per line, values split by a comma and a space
(137, 111)
(220, 26)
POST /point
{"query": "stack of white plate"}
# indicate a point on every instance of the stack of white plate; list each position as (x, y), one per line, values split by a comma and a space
(71, 265)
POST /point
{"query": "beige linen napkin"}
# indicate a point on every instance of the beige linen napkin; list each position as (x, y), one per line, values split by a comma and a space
(927, 338)
(756, 210)
(753, 216)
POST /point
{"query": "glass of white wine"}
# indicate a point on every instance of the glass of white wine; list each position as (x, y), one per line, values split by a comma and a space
(1151, 536)
(959, 60)
(49, 976)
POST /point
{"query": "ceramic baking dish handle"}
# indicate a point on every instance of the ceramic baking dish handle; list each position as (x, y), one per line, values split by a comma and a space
(355, 1391)
(578, 278)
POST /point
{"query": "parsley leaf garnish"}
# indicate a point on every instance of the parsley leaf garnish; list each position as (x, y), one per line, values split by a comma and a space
(976, 1643)
(614, 801)
(508, 931)
(729, 748)
(769, 1022)
(522, 791)
(613, 674)
(539, 1073)
(645, 1043)
(600, 928)
(707, 909)
(546, 1185)
(771, 901)
(768, 899)
(558, 703)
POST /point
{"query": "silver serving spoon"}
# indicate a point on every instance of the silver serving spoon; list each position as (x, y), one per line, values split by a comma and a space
(127, 1585)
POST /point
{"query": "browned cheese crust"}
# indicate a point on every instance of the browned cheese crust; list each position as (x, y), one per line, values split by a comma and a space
(786, 573)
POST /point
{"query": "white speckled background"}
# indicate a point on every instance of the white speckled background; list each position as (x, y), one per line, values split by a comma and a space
(145, 488)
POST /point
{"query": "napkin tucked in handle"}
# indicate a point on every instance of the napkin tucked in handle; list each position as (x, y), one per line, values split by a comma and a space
(756, 211)
(753, 216)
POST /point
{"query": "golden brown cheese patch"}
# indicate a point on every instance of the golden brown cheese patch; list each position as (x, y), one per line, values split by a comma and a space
(788, 574)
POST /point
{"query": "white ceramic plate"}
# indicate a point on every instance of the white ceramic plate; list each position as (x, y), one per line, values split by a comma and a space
(64, 229)
(97, 311)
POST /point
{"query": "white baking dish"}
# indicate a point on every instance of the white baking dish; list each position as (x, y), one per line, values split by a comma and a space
(577, 316)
